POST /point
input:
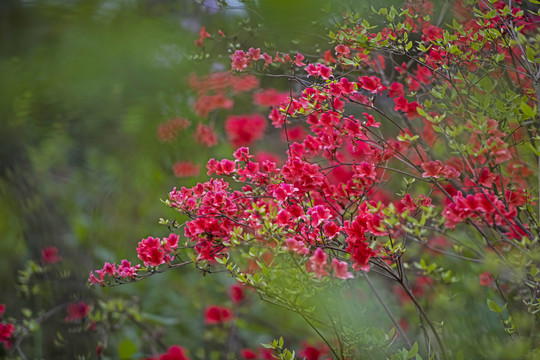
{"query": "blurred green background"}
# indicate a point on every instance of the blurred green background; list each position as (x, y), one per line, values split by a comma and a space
(83, 88)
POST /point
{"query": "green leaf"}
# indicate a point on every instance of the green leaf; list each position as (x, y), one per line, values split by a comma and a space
(349, 62)
(530, 54)
(493, 306)
(409, 46)
(527, 110)
(535, 151)
(162, 320)
(414, 350)
(126, 349)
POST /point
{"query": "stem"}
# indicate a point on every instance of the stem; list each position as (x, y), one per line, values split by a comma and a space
(149, 331)
(532, 334)
(320, 335)
(426, 318)
(388, 312)
(338, 338)
(537, 91)
(150, 273)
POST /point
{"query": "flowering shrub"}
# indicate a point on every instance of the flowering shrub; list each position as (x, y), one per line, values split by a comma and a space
(410, 163)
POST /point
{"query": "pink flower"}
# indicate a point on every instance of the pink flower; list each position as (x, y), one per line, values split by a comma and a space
(395, 90)
(432, 169)
(223, 167)
(298, 60)
(319, 70)
(168, 131)
(170, 243)
(269, 97)
(243, 130)
(205, 104)
(92, 279)
(77, 311)
(437, 169)
(433, 32)
(186, 169)
(49, 255)
(109, 269)
(317, 263)
(255, 53)
(236, 293)
(6, 334)
(297, 246)
(401, 103)
(342, 49)
(205, 135)
(319, 214)
(370, 121)
(126, 270)
(371, 83)
(242, 154)
(341, 269)
(486, 279)
(203, 34)
(240, 60)
(150, 253)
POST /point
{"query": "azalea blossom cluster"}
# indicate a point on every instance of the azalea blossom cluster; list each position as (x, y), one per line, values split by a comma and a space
(353, 135)
(339, 205)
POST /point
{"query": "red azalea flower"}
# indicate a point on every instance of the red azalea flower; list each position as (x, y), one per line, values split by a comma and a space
(168, 131)
(486, 279)
(217, 315)
(6, 334)
(433, 32)
(243, 130)
(312, 352)
(236, 293)
(49, 255)
(77, 311)
(205, 135)
(269, 97)
(248, 354)
(203, 34)
(342, 49)
(175, 352)
(186, 169)
(371, 84)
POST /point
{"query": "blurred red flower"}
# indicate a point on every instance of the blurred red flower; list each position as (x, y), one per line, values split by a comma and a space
(49, 255)
(217, 314)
